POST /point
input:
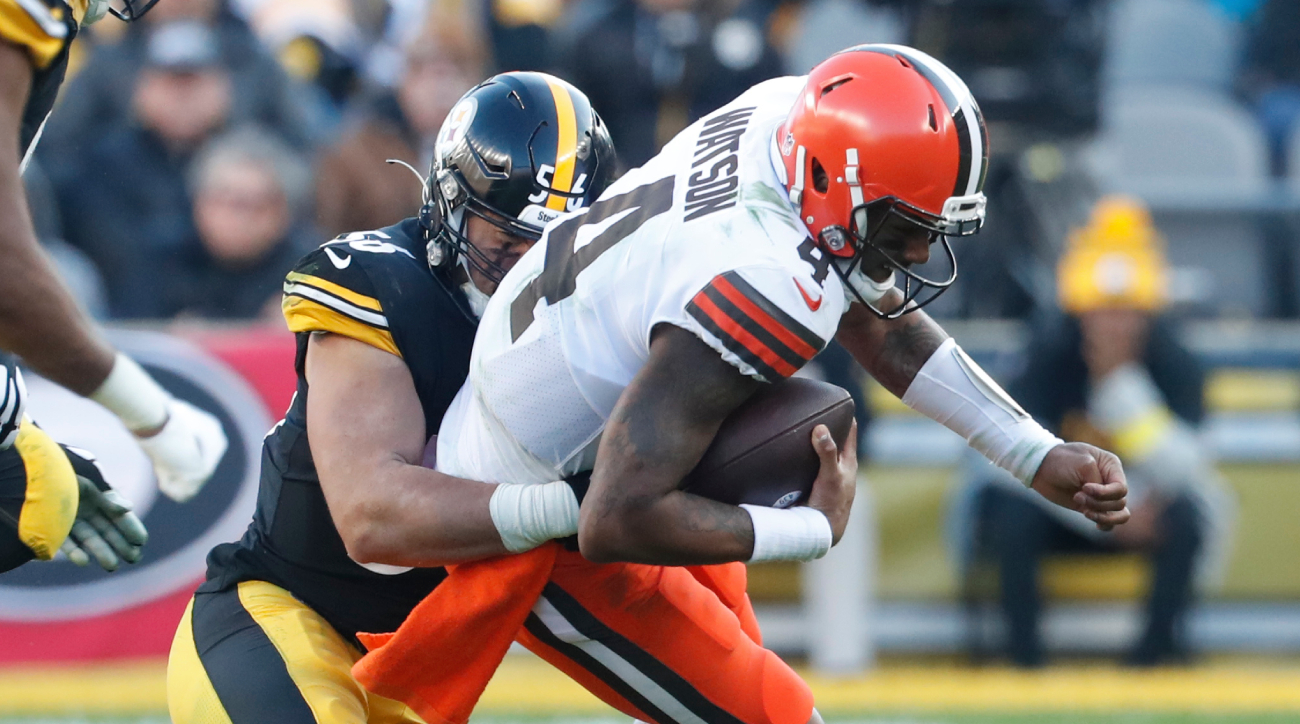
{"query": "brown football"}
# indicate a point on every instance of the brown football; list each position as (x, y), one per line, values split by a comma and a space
(763, 453)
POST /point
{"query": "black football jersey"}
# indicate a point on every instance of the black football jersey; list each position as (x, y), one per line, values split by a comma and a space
(375, 287)
(44, 29)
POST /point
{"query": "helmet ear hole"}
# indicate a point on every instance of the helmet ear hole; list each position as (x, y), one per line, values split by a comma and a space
(821, 182)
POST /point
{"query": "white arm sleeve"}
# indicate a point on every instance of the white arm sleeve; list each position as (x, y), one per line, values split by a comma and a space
(953, 391)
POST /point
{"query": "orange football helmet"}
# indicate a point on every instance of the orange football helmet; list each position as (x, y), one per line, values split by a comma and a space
(881, 130)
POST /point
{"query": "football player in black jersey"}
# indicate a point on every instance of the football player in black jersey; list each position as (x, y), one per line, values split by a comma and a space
(41, 322)
(385, 323)
(53, 497)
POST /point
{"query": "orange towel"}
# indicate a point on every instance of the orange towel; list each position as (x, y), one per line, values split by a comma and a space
(441, 658)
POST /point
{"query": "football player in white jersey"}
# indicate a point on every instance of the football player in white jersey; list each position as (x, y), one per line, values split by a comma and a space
(623, 339)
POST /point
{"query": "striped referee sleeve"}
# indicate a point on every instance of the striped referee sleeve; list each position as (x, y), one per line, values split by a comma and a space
(755, 329)
(13, 402)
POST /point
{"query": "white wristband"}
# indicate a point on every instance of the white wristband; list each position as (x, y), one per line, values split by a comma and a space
(952, 390)
(131, 394)
(792, 534)
(527, 516)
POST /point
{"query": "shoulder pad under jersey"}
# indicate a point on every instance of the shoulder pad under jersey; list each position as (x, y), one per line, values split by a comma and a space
(331, 289)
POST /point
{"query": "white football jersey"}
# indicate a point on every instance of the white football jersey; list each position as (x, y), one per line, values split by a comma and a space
(703, 237)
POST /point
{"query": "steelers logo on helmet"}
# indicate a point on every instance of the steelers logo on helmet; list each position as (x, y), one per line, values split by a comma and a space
(885, 138)
(518, 150)
(453, 128)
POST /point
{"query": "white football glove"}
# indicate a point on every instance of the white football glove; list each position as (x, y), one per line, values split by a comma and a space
(105, 529)
(186, 451)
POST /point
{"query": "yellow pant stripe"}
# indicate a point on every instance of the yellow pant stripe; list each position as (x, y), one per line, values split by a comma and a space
(51, 502)
(244, 631)
(317, 658)
(190, 696)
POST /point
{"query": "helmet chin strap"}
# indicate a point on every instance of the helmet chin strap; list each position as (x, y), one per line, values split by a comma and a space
(477, 298)
(95, 11)
(858, 287)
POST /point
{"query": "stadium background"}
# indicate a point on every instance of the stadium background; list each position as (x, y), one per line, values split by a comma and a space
(1181, 115)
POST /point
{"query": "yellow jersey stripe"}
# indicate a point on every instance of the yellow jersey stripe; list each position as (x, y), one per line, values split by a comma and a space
(566, 149)
(52, 495)
(308, 315)
(337, 290)
(374, 319)
(35, 28)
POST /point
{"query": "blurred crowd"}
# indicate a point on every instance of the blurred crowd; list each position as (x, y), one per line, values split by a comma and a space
(193, 156)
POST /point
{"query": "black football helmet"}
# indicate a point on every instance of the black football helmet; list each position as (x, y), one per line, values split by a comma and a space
(517, 150)
(130, 10)
(124, 10)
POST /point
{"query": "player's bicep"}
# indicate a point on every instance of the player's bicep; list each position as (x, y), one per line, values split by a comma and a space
(668, 414)
(756, 321)
(363, 414)
(330, 291)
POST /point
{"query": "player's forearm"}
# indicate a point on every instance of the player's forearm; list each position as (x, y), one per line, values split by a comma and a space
(634, 511)
(412, 516)
(39, 320)
(891, 350)
(658, 431)
(674, 529)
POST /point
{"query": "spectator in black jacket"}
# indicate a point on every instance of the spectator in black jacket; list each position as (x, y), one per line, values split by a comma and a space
(124, 200)
(250, 193)
(1112, 370)
(102, 90)
(654, 66)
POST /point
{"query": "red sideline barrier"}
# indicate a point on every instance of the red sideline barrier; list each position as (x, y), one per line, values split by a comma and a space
(261, 355)
(263, 358)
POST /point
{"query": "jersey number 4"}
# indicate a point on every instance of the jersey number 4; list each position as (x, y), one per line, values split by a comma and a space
(559, 276)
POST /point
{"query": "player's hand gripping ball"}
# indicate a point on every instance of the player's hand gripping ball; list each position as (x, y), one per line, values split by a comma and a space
(762, 454)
